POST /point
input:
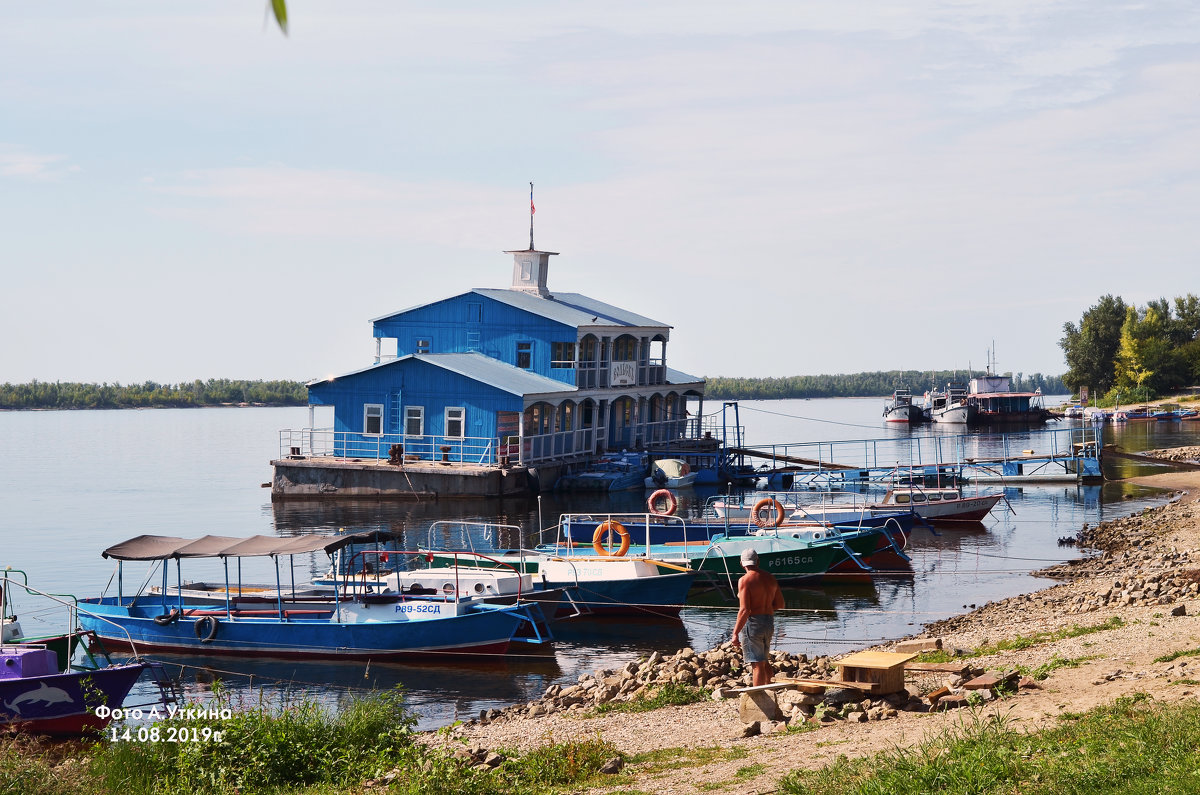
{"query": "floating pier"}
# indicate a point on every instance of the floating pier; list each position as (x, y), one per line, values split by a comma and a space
(1066, 455)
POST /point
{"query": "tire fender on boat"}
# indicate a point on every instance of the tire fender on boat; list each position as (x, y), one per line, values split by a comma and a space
(668, 509)
(771, 520)
(610, 525)
(169, 618)
(206, 628)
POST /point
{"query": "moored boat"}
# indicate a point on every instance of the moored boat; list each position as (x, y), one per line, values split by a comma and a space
(789, 551)
(363, 624)
(951, 406)
(40, 693)
(902, 408)
(612, 472)
(670, 473)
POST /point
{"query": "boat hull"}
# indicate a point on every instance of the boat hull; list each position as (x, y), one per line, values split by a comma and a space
(955, 415)
(910, 413)
(62, 705)
(305, 633)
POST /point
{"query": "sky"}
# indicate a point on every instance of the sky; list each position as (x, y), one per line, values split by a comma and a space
(795, 188)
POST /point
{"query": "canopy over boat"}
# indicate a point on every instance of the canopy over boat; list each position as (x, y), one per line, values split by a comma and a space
(152, 547)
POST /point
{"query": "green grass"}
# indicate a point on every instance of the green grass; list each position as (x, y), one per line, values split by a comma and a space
(669, 695)
(1175, 655)
(1131, 747)
(298, 748)
(674, 758)
(1044, 670)
(1021, 642)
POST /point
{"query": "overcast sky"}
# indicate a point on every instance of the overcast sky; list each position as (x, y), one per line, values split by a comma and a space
(796, 188)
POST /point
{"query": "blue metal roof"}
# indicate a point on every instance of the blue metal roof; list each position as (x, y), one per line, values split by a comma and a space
(477, 367)
(680, 377)
(570, 309)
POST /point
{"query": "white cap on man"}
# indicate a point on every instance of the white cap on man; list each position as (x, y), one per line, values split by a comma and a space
(749, 558)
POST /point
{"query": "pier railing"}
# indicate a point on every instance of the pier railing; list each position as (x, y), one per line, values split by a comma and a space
(1061, 454)
(481, 450)
(328, 443)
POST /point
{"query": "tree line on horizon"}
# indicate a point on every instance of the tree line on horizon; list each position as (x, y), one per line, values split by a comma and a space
(873, 384)
(213, 392)
(223, 392)
(1122, 352)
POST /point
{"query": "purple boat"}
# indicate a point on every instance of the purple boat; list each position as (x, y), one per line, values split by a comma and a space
(36, 697)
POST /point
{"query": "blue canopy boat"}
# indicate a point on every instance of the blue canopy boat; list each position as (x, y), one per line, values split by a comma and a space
(348, 622)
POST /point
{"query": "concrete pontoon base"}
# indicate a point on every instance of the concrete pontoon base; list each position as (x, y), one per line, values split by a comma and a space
(311, 477)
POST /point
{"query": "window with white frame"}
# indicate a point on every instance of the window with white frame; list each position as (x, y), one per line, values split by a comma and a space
(562, 354)
(373, 419)
(414, 420)
(455, 421)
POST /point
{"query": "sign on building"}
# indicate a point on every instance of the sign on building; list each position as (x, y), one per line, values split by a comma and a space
(622, 374)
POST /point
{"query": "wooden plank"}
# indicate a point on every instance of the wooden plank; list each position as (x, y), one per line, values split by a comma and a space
(869, 687)
(757, 688)
(937, 668)
(874, 659)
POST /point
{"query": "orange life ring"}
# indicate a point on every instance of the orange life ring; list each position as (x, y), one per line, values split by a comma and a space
(669, 509)
(765, 521)
(604, 528)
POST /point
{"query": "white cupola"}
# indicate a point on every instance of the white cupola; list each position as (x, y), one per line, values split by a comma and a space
(529, 271)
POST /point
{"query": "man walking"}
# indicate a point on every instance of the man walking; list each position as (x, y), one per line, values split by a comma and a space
(758, 599)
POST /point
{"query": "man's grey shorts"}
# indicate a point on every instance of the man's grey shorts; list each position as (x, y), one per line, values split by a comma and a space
(756, 638)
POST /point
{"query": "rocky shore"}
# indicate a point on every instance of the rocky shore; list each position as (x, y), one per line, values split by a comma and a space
(1135, 591)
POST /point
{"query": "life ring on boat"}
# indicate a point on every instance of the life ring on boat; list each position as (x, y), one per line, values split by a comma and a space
(767, 521)
(603, 529)
(206, 628)
(668, 509)
(167, 619)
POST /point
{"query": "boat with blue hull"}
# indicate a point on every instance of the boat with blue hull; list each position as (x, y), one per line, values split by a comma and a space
(350, 623)
(42, 691)
(612, 472)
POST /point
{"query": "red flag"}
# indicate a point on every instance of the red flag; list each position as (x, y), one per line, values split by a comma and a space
(532, 209)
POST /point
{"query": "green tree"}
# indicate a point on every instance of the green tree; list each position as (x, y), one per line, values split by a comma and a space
(1146, 359)
(1091, 347)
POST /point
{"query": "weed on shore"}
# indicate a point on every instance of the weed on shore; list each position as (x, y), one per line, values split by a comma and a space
(296, 748)
(1131, 746)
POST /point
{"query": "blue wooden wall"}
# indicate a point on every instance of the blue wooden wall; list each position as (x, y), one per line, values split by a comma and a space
(474, 322)
(413, 382)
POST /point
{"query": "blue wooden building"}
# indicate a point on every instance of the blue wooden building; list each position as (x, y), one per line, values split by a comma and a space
(510, 376)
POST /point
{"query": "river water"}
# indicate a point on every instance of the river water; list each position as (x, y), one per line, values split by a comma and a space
(76, 482)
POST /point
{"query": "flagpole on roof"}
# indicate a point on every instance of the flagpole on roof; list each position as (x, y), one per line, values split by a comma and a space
(531, 211)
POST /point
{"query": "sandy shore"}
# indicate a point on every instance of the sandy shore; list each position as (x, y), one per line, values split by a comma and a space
(1142, 569)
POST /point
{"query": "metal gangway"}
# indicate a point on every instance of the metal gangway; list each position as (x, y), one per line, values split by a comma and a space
(1047, 456)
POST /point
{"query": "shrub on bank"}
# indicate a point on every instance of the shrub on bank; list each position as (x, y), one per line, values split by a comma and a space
(296, 748)
(1127, 747)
